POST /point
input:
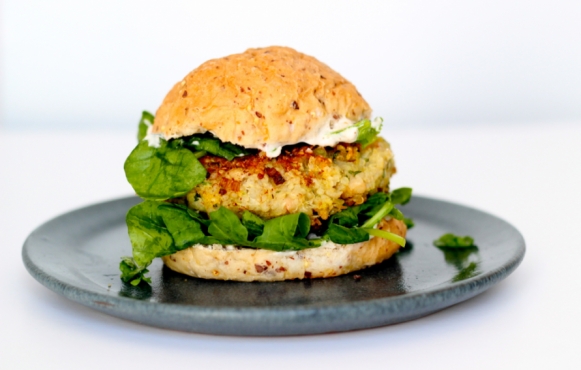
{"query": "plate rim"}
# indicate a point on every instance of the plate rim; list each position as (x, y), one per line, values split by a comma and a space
(105, 303)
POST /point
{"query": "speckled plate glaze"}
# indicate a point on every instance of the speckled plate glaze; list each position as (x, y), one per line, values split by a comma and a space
(77, 256)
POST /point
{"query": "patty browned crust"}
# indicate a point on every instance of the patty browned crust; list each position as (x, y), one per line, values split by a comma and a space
(315, 180)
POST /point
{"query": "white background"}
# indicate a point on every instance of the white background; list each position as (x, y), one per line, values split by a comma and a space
(482, 101)
(97, 64)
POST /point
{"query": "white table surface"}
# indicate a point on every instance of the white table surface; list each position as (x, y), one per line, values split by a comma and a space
(529, 175)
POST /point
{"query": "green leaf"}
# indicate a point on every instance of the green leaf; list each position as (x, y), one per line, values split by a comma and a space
(367, 134)
(132, 273)
(253, 223)
(201, 218)
(144, 123)
(409, 223)
(344, 235)
(373, 205)
(450, 240)
(213, 145)
(377, 199)
(383, 211)
(401, 195)
(348, 217)
(387, 235)
(285, 233)
(147, 232)
(184, 230)
(163, 173)
(226, 226)
(396, 213)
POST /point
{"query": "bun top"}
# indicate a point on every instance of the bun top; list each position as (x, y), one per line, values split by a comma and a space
(266, 96)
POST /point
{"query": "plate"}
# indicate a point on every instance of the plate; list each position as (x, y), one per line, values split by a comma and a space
(77, 255)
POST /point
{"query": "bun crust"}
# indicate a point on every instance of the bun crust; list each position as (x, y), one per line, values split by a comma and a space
(272, 95)
(245, 264)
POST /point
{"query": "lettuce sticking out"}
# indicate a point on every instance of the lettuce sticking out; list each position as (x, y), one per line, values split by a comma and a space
(133, 273)
(401, 196)
(355, 224)
(149, 239)
(158, 229)
(368, 131)
(144, 124)
(168, 171)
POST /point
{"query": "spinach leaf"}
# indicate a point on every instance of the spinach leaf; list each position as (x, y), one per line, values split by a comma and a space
(347, 217)
(226, 227)
(144, 124)
(396, 213)
(450, 240)
(147, 232)
(372, 206)
(184, 230)
(401, 195)
(377, 199)
(367, 133)
(132, 273)
(162, 173)
(303, 225)
(213, 145)
(253, 223)
(344, 235)
(383, 211)
(408, 222)
(285, 233)
(198, 216)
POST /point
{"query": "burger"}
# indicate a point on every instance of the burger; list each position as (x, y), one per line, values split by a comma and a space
(262, 166)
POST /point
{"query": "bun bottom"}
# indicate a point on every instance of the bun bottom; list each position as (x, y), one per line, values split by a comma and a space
(244, 264)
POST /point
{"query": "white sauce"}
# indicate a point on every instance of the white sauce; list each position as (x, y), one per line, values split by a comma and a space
(330, 134)
(151, 138)
(326, 244)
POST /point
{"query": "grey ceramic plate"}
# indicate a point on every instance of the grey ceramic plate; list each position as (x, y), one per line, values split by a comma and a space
(77, 255)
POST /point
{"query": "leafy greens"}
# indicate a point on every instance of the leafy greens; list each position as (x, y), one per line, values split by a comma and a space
(171, 169)
(450, 240)
(210, 144)
(355, 224)
(157, 229)
(367, 132)
(164, 172)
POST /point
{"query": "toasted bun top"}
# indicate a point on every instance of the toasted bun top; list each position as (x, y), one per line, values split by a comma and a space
(266, 96)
